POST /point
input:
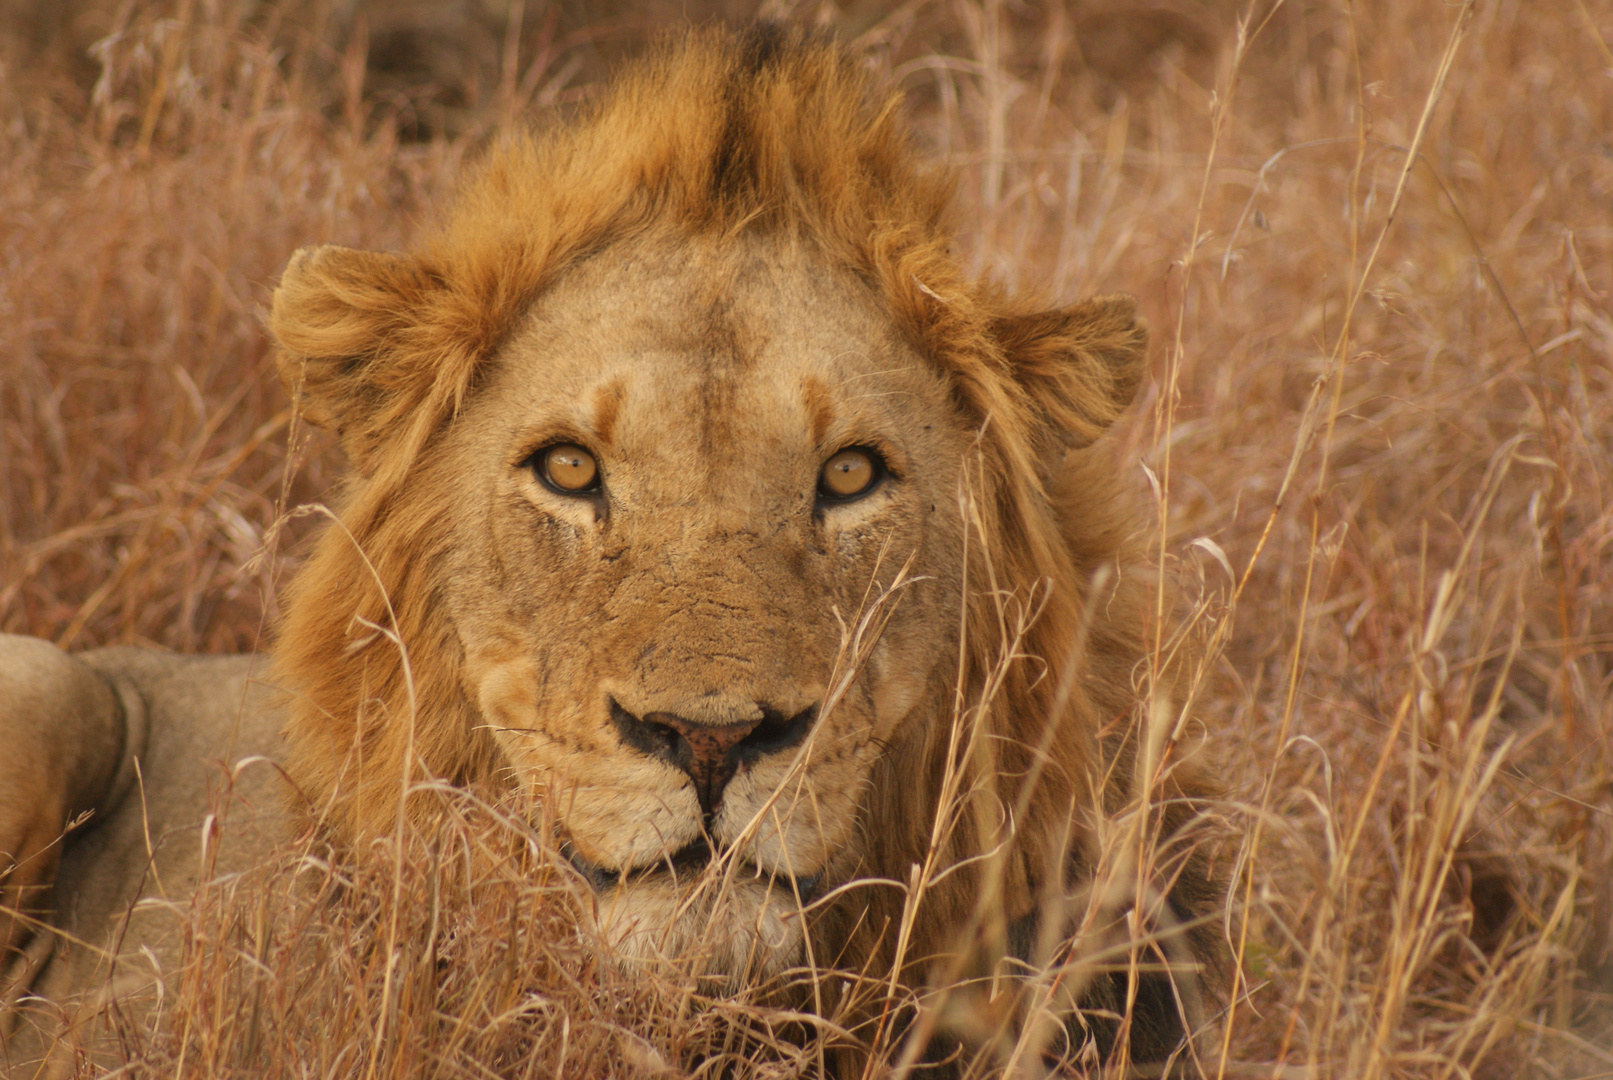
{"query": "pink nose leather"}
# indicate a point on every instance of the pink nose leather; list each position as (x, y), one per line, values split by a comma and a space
(711, 754)
(708, 761)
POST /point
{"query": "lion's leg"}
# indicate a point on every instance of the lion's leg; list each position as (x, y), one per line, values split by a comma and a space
(64, 747)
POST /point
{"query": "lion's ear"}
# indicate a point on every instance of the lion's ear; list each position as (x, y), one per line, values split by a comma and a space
(1081, 365)
(338, 316)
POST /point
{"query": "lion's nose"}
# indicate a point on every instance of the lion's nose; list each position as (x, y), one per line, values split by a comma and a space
(712, 753)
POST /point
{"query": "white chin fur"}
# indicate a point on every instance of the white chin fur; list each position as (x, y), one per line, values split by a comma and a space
(740, 927)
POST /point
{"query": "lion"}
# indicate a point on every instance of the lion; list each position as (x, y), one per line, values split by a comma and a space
(701, 503)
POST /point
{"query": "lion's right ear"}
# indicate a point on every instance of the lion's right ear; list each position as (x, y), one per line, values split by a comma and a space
(340, 316)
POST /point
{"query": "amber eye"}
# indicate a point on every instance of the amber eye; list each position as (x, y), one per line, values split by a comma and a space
(567, 468)
(852, 472)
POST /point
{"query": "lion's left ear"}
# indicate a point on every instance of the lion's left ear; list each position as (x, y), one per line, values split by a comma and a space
(1081, 365)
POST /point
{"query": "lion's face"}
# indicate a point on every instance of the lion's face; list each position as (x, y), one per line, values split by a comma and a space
(659, 619)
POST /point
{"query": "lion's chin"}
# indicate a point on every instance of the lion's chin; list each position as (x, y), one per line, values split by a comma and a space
(738, 924)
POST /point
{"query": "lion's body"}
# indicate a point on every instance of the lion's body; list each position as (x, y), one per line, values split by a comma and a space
(186, 721)
(733, 271)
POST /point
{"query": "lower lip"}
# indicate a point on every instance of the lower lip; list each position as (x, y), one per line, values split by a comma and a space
(805, 888)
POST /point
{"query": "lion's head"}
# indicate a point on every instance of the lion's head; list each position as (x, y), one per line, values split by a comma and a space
(700, 488)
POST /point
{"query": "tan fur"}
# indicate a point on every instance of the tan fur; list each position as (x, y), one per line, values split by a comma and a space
(134, 747)
(55, 772)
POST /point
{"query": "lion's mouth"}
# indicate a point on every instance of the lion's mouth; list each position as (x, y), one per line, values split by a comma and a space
(685, 864)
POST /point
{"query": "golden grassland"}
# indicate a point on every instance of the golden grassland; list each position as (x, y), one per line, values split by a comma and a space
(1375, 244)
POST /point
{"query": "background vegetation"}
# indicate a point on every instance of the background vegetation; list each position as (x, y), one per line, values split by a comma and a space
(1375, 242)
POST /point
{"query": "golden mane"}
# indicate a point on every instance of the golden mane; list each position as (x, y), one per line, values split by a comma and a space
(775, 131)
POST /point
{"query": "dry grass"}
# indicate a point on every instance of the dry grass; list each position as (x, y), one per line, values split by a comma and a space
(1378, 441)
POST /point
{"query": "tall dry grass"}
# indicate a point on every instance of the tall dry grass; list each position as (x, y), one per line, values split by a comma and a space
(1377, 445)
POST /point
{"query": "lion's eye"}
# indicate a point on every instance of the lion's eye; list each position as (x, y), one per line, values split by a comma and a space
(567, 468)
(852, 472)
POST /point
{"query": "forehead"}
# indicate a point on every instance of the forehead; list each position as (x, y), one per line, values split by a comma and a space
(733, 340)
